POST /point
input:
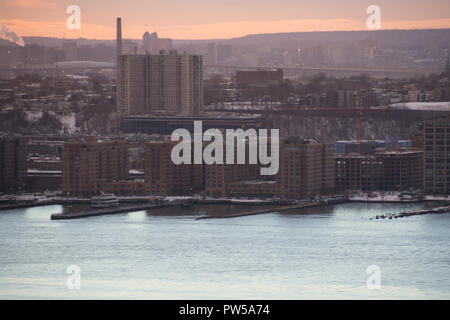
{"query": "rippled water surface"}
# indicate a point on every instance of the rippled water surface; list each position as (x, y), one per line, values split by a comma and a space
(167, 254)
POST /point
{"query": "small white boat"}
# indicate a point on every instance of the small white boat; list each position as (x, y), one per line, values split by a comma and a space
(104, 201)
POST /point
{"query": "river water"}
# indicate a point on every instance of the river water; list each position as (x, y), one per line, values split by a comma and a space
(316, 253)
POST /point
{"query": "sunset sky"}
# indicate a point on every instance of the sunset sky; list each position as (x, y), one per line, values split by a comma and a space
(204, 19)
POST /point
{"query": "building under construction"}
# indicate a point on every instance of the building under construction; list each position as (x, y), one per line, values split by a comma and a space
(386, 170)
(358, 172)
(402, 169)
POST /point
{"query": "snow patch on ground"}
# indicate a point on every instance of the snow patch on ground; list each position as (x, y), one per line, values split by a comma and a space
(68, 122)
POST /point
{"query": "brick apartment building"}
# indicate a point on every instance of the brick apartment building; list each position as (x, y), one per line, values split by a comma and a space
(89, 163)
(306, 170)
(163, 177)
(13, 163)
(437, 156)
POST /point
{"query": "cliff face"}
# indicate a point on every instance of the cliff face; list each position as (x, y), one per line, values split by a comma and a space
(324, 128)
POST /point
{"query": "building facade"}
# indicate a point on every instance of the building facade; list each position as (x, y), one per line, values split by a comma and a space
(437, 156)
(13, 163)
(89, 163)
(357, 172)
(306, 169)
(163, 177)
(165, 82)
(402, 169)
(394, 169)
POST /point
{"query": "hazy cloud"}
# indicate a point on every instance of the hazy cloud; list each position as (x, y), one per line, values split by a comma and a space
(10, 35)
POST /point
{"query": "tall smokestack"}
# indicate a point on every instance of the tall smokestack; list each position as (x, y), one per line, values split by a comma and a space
(119, 36)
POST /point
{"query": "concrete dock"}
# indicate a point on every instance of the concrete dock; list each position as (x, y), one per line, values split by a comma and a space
(109, 211)
(273, 209)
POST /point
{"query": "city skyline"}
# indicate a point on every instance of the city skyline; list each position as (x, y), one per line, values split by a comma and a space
(205, 20)
(224, 150)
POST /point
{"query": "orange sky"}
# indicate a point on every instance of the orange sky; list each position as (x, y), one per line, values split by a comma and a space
(202, 19)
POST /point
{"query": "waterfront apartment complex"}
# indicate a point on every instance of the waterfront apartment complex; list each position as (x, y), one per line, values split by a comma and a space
(13, 163)
(306, 170)
(89, 163)
(159, 83)
(437, 156)
(163, 177)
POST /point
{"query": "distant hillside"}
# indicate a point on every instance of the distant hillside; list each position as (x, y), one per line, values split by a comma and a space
(390, 38)
(439, 38)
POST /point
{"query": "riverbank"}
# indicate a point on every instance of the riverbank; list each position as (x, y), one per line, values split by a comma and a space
(28, 201)
(130, 204)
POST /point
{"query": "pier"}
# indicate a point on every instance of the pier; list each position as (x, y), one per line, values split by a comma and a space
(109, 211)
(273, 209)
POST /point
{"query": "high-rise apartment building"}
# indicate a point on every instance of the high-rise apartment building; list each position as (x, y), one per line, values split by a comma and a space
(13, 163)
(165, 82)
(437, 156)
(224, 180)
(89, 163)
(163, 177)
(158, 81)
(306, 168)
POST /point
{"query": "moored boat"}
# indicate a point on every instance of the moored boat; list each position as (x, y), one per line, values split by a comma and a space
(104, 201)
